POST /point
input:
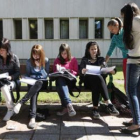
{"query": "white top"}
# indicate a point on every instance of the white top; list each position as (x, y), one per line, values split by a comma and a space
(136, 36)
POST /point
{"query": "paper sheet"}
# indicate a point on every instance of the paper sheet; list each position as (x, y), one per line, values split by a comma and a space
(95, 70)
(28, 80)
(4, 75)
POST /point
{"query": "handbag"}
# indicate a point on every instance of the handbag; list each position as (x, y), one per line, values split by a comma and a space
(72, 85)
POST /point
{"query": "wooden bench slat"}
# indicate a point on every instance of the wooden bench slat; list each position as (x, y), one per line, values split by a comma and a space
(53, 89)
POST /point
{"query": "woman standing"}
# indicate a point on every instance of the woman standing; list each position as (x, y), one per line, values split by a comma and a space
(115, 26)
(9, 62)
(131, 38)
(37, 67)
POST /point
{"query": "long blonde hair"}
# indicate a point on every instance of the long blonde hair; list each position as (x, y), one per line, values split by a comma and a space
(38, 49)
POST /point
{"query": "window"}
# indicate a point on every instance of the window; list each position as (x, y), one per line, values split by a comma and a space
(83, 29)
(64, 29)
(99, 28)
(33, 29)
(18, 29)
(1, 29)
(49, 29)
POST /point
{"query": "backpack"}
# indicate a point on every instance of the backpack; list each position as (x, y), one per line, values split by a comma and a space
(118, 98)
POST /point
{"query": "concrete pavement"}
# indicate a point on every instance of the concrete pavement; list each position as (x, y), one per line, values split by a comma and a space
(80, 127)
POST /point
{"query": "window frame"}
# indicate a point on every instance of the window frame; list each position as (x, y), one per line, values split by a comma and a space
(84, 19)
(61, 28)
(102, 27)
(45, 20)
(36, 36)
(15, 29)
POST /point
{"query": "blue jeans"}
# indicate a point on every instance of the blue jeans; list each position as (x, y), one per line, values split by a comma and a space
(63, 91)
(133, 90)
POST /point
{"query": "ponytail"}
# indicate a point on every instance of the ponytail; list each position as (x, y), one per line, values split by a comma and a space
(129, 11)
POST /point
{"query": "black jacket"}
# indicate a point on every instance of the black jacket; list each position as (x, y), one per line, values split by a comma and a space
(13, 67)
(85, 62)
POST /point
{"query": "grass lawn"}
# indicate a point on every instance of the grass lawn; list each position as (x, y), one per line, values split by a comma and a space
(84, 97)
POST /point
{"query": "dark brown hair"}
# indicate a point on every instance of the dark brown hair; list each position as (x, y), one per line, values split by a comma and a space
(87, 53)
(129, 11)
(62, 48)
(5, 44)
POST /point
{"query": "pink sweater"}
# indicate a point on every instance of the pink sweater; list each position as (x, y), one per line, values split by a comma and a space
(72, 65)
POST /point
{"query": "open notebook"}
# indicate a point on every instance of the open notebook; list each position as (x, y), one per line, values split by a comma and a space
(62, 72)
(4, 75)
(95, 70)
(28, 80)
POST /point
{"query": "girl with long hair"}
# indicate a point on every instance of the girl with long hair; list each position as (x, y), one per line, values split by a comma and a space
(95, 83)
(69, 62)
(115, 26)
(9, 62)
(37, 67)
(131, 18)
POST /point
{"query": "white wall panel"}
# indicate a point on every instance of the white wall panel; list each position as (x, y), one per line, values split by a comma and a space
(56, 23)
(8, 28)
(41, 29)
(25, 28)
(106, 31)
(61, 8)
(51, 48)
(91, 28)
(48, 49)
(74, 28)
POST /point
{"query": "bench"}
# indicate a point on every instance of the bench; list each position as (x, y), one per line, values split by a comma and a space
(51, 88)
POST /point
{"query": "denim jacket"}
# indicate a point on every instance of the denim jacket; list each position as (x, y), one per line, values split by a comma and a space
(41, 74)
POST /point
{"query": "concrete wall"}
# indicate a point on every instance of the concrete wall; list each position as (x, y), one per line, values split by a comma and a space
(58, 9)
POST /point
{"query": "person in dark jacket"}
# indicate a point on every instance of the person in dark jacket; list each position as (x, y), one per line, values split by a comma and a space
(9, 63)
(95, 83)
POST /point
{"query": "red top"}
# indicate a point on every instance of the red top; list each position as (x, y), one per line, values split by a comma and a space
(72, 65)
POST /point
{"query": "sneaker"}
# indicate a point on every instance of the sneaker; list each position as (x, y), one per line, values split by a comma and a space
(62, 112)
(32, 123)
(96, 114)
(8, 115)
(17, 108)
(112, 110)
(71, 110)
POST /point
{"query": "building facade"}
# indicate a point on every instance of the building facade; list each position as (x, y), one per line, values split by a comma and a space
(52, 22)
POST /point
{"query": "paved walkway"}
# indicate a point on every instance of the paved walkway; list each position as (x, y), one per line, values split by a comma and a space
(80, 127)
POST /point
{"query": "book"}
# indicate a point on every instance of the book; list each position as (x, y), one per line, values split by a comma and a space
(28, 80)
(64, 74)
(4, 75)
(60, 68)
(96, 70)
